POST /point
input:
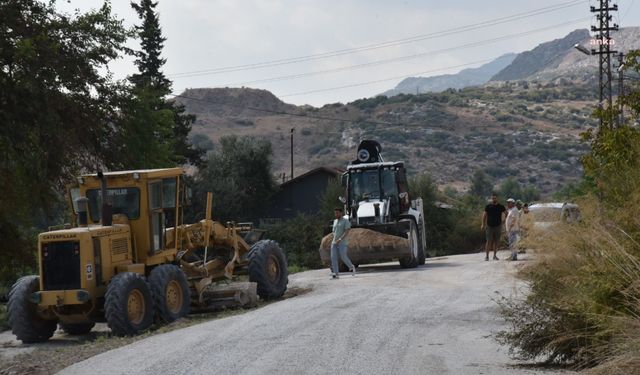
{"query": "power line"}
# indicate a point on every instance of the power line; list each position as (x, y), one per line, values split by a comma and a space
(419, 73)
(401, 58)
(456, 30)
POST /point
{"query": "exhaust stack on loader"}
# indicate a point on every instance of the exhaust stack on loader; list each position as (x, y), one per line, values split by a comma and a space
(385, 222)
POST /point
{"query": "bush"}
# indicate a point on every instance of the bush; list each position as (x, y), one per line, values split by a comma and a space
(449, 231)
(300, 240)
(584, 296)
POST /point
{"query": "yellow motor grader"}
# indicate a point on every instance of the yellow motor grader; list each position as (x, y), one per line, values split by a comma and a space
(130, 260)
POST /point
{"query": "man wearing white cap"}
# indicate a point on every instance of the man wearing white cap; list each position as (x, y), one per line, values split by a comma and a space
(513, 227)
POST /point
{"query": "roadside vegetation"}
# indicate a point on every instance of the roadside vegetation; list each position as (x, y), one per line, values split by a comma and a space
(4, 324)
(582, 303)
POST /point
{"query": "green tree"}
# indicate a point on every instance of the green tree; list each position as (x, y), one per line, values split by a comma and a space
(239, 175)
(510, 188)
(169, 134)
(54, 108)
(149, 60)
(481, 186)
(144, 137)
(331, 199)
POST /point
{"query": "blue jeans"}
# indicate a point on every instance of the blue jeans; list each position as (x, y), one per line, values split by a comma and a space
(514, 237)
(341, 250)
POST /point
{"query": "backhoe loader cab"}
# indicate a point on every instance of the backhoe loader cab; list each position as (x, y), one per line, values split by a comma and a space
(129, 259)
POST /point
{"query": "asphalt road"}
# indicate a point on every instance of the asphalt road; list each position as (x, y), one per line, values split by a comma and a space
(436, 319)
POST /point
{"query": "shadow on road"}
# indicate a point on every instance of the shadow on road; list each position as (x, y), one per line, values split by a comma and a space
(380, 268)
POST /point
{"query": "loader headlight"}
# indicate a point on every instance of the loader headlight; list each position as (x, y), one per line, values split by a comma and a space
(363, 155)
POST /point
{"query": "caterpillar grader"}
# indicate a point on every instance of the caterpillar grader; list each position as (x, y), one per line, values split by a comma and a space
(130, 260)
(385, 223)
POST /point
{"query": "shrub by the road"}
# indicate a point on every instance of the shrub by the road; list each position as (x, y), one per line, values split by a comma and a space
(583, 306)
(300, 239)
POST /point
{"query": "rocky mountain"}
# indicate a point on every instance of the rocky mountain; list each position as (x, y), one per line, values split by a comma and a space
(558, 59)
(462, 79)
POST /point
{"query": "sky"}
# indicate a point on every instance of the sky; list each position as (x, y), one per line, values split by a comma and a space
(225, 43)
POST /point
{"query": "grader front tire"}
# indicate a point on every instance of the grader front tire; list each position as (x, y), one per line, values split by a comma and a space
(128, 304)
(268, 268)
(26, 324)
(170, 290)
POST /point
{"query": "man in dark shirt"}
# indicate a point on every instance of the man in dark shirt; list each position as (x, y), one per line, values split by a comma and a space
(494, 214)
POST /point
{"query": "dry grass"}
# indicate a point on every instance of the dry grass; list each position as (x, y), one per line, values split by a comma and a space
(583, 302)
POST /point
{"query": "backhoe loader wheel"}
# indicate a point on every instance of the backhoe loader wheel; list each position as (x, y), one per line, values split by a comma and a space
(128, 305)
(414, 245)
(170, 291)
(268, 268)
(77, 329)
(422, 258)
(25, 322)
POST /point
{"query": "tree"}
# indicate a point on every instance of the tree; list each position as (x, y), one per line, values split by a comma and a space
(151, 88)
(54, 108)
(481, 186)
(239, 175)
(510, 188)
(149, 60)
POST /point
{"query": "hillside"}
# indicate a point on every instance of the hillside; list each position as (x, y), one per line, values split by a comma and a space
(462, 79)
(525, 122)
(558, 59)
(526, 130)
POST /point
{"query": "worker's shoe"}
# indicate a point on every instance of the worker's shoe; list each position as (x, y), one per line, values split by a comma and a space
(353, 270)
(486, 258)
(334, 276)
(495, 257)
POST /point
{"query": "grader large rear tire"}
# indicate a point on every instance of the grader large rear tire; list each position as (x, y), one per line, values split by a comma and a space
(24, 320)
(170, 290)
(268, 268)
(128, 305)
(411, 261)
(77, 329)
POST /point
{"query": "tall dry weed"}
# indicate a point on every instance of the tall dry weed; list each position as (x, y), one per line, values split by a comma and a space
(583, 302)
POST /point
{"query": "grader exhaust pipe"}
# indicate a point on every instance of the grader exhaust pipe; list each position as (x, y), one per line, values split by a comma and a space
(106, 211)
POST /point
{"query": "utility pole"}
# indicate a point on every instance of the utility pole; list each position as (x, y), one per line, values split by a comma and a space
(621, 87)
(292, 153)
(604, 51)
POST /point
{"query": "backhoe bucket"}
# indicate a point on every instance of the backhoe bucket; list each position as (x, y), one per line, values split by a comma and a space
(367, 246)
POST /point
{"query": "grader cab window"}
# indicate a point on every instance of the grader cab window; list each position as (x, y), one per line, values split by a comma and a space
(124, 201)
(162, 208)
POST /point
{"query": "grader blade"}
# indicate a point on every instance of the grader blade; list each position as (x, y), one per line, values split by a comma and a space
(239, 294)
(365, 245)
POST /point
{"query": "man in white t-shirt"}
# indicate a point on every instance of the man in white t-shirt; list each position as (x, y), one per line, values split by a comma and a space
(513, 227)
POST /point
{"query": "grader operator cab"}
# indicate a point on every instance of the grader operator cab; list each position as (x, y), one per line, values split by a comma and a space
(386, 223)
(129, 259)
